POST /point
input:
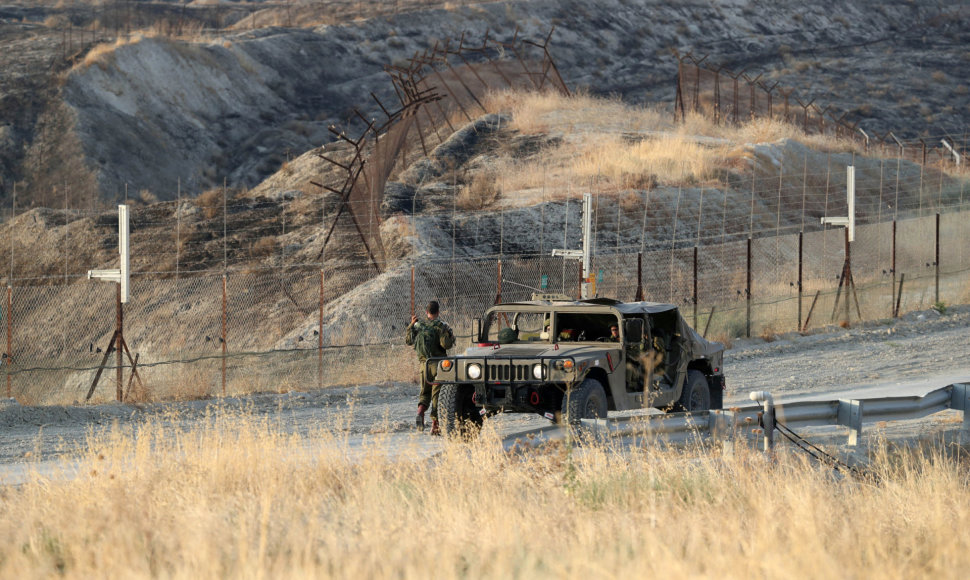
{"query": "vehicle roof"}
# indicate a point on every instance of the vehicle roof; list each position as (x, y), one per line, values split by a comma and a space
(623, 307)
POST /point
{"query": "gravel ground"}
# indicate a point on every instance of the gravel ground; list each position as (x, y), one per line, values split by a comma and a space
(917, 353)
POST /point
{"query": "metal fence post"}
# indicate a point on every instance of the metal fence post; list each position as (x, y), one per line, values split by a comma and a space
(747, 316)
(936, 261)
(9, 339)
(899, 295)
(225, 338)
(695, 287)
(892, 269)
(801, 236)
(118, 344)
(320, 336)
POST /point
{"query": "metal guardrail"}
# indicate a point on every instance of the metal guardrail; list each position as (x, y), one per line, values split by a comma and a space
(725, 425)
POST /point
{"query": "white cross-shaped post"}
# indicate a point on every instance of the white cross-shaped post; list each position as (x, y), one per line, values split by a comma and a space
(849, 220)
(118, 275)
(585, 254)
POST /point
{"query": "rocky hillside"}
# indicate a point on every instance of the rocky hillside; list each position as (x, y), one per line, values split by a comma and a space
(160, 113)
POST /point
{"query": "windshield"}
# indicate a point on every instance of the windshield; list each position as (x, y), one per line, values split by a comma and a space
(517, 327)
(582, 326)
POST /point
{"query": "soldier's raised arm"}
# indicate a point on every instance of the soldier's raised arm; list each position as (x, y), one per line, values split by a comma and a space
(409, 332)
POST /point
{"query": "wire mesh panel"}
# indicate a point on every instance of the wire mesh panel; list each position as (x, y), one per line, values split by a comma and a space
(274, 341)
(954, 257)
(774, 284)
(915, 247)
(79, 320)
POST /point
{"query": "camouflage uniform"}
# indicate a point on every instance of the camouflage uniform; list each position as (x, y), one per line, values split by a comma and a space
(429, 392)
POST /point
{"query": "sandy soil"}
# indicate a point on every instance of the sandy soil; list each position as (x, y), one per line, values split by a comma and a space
(915, 354)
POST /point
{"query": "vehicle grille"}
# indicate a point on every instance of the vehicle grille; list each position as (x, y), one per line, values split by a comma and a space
(508, 372)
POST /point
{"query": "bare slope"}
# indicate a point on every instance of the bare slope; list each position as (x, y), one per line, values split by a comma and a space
(153, 113)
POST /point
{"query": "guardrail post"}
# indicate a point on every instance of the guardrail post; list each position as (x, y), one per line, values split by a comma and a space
(850, 415)
(960, 400)
(721, 425)
(767, 416)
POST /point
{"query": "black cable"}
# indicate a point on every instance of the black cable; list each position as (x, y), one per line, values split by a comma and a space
(835, 462)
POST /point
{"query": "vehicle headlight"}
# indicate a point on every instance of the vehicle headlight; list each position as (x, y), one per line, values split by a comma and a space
(563, 364)
(474, 371)
(445, 365)
(539, 371)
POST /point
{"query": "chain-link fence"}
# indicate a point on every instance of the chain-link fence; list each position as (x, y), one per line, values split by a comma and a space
(209, 334)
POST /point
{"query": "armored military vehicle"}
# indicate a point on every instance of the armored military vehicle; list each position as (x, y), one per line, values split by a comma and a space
(569, 359)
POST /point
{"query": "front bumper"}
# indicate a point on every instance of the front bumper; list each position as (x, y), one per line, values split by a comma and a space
(524, 384)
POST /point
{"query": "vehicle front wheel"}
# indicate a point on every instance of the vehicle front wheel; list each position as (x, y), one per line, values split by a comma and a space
(587, 401)
(457, 414)
(696, 395)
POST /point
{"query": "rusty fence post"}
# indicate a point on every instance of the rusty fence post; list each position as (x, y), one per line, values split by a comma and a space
(893, 271)
(811, 309)
(899, 295)
(695, 287)
(937, 259)
(119, 338)
(801, 236)
(225, 338)
(747, 316)
(320, 336)
(848, 275)
(639, 294)
(9, 339)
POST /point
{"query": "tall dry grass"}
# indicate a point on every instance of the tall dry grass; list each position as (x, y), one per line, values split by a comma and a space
(237, 497)
(607, 145)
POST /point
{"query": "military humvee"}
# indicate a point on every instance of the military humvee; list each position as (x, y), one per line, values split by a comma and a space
(556, 357)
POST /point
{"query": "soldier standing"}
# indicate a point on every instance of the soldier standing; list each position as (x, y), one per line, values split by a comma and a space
(431, 338)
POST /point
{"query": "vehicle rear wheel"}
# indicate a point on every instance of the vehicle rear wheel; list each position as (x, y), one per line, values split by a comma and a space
(587, 401)
(457, 414)
(696, 395)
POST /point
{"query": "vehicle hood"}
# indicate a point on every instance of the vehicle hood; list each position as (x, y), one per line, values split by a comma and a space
(537, 350)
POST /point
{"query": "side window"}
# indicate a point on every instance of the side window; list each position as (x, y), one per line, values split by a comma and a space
(633, 329)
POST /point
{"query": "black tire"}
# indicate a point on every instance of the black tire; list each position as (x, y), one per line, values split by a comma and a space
(457, 414)
(587, 401)
(696, 396)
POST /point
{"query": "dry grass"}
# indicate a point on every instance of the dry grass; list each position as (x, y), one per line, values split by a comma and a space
(237, 497)
(263, 247)
(481, 193)
(102, 51)
(608, 145)
(768, 334)
(211, 202)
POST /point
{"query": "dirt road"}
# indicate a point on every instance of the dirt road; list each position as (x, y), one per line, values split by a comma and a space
(913, 355)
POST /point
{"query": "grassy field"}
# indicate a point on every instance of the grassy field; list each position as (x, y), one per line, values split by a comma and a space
(239, 498)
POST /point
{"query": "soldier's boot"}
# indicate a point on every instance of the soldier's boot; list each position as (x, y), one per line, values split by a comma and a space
(419, 421)
(434, 427)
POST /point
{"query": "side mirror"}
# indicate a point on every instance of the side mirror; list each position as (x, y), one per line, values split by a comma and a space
(477, 330)
(632, 329)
